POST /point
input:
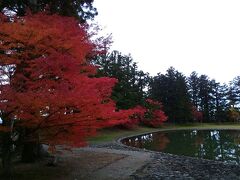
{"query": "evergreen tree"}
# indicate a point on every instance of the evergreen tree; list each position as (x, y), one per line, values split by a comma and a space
(219, 101)
(233, 99)
(205, 95)
(171, 90)
(193, 88)
(132, 83)
(234, 92)
(208, 96)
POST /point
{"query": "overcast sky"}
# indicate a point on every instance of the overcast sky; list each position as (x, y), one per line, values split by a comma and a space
(200, 35)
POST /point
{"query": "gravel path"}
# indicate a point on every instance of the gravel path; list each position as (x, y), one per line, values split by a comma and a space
(166, 166)
(121, 168)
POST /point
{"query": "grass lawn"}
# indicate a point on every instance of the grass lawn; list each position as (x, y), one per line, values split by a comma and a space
(111, 134)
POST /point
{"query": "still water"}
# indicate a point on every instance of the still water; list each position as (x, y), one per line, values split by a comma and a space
(221, 145)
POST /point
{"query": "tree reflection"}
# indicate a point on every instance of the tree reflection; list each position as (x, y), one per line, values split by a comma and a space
(223, 145)
(160, 141)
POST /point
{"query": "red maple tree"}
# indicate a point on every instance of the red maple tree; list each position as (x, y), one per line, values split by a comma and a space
(151, 114)
(51, 94)
(154, 115)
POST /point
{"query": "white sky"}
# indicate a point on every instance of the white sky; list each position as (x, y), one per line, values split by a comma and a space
(200, 35)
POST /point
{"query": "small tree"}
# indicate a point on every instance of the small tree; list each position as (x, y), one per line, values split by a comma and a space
(151, 114)
(154, 116)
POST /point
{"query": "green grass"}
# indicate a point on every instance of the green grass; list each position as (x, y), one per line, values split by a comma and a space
(111, 134)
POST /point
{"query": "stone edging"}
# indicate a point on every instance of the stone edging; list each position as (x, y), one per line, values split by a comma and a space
(169, 166)
(118, 141)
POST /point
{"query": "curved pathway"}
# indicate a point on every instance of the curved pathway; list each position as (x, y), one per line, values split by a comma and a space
(121, 168)
(144, 165)
(116, 161)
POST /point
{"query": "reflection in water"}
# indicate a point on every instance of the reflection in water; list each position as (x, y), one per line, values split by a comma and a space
(222, 145)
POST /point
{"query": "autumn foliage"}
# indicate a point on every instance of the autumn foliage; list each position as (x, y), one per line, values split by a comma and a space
(151, 114)
(154, 115)
(48, 91)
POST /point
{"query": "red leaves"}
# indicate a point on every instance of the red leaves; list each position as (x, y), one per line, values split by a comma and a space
(51, 92)
(150, 115)
(156, 120)
(40, 35)
(154, 115)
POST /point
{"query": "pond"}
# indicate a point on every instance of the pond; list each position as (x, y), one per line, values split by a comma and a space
(221, 145)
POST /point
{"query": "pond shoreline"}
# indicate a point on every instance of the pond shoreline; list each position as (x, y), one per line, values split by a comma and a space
(169, 166)
(110, 159)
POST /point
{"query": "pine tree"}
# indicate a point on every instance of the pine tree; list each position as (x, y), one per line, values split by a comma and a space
(171, 90)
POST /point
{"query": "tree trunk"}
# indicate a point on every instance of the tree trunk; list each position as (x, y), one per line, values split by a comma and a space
(31, 147)
(7, 155)
(30, 152)
(7, 165)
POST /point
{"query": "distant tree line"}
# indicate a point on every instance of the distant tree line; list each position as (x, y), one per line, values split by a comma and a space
(196, 98)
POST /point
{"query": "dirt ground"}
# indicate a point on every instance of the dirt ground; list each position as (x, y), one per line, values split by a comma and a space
(70, 166)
